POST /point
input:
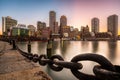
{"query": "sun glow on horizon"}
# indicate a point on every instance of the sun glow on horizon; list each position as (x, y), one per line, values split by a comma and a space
(0, 32)
(78, 12)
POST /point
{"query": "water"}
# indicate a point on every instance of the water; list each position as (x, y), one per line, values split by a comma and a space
(69, 49)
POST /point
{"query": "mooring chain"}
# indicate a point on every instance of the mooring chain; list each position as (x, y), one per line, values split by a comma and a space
(104, 71)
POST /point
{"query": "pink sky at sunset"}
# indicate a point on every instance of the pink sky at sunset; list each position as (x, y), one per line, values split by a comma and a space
(78, 12)
(85, 11)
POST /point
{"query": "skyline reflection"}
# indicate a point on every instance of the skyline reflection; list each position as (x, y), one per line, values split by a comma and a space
(69, 49)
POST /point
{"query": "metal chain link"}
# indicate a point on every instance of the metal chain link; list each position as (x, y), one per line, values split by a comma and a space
(104, 71)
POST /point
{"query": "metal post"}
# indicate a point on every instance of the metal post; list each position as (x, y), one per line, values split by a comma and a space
(29, 47)
(14, 45)
(10, 42)
(49, 48)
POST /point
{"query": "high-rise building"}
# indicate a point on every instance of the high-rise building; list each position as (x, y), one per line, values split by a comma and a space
(95, 25)
(20, 30)
(21, 25)
(44, 25)
(112, 23)
(7, 23)
(41, 25)
(63, 21)
(85, 30)
(45, 33)
(31, 30)
(52, 20)
(66, 31)
(56, 29)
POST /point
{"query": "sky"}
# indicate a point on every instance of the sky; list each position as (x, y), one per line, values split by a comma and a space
(78, 12)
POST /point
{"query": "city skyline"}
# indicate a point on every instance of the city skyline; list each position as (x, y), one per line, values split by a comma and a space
(78, 12)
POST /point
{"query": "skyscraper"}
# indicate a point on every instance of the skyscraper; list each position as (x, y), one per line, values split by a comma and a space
(95, 25)
(31, 30)
(112, 23)
(85, 30)
(52, 20)
(7, 23)
(41, 25)
(63, 21)
(56, 28)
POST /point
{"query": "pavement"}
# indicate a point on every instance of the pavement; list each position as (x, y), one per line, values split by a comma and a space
(13, 66)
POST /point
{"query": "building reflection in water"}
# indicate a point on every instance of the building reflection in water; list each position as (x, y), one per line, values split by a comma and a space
(41, 47)
(84, 45)
(55, 47)
(69, 49)
(64, 46)
(94, 46)
(60, 47)
(22, 46)
(112, 49)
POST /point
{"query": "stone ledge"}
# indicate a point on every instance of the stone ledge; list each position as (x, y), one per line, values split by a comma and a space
(30, 74)
(13, 66)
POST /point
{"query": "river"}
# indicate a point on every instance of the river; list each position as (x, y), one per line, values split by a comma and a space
(69, 49)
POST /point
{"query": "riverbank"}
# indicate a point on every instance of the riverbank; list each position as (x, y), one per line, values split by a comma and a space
(14, 66)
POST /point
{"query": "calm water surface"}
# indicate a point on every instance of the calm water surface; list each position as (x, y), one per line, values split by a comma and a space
(69, 49)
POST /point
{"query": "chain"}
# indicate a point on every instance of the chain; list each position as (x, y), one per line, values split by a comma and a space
(104, 71)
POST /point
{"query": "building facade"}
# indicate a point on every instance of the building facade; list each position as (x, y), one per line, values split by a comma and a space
(74, 32)
(41, 25)
(85, 29)
(20, 31)
(85, 33)
(112, 24)
(95, 25)
(52, 20)
(21, 25)
(7, 23)
(45, 33)
(66, 31)
(63, 21)
(56, 28)
(32, 30)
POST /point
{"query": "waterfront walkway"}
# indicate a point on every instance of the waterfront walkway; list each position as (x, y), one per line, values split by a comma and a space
(14, 66)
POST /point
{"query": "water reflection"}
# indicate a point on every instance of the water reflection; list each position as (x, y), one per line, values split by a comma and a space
(112, 50)
(84, 44)
(94, 46)
(55, 47)
(69, 49)
(64, 46)
(55, 44)
(22, 46)
(38, 47)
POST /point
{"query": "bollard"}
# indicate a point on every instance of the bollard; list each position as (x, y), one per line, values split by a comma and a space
(61, 44)
(29, 47)
(10, 42)
(14, 45)
(49, 48)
